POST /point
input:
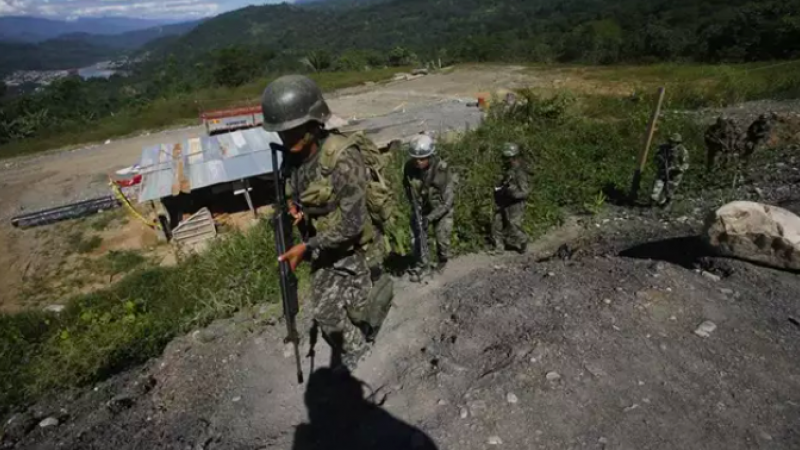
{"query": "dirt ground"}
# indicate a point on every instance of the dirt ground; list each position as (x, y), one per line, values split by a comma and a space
(62, 177)
(592, 350)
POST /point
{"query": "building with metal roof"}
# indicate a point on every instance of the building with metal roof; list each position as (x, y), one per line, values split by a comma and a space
(169, 169)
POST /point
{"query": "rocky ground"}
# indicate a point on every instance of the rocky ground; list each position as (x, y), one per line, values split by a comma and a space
(629, 336)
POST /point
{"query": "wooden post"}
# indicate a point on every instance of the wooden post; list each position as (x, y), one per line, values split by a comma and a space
(246, 183)
(637, 174)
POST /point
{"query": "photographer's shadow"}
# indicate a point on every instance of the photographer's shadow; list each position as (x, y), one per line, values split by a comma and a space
(341, 417)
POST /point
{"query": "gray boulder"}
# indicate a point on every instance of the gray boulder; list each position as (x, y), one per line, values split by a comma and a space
(756, 232)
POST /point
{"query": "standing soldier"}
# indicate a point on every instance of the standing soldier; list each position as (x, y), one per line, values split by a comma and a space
(429, 184)
(757, 134)
(721, 138)
(672, 161)
(338, 231)
(509, 197)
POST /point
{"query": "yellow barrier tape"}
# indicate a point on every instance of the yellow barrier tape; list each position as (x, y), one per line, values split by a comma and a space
(128, 206)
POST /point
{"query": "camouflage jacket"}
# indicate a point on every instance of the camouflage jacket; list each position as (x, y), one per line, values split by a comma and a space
(759, 130)
(434, 186)
(726, 135)
(513, 188)
(672, 158)
(348, 207)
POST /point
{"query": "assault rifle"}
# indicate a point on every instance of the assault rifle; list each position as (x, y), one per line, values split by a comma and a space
(421, 224)
(282, 225)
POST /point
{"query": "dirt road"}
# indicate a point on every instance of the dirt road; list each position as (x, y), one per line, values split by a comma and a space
(389, 110)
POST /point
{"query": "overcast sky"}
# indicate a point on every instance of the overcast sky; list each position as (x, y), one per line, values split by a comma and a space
(155, 9)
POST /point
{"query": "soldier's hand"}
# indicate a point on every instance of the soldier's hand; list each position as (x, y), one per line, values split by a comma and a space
(295, 212)
(294, 255)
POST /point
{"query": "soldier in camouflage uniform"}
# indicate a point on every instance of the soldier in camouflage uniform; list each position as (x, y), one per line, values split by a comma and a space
(430, 180)
(672, 161)
(758, 133)
(722, 138)
(509, 197)
(340, 279)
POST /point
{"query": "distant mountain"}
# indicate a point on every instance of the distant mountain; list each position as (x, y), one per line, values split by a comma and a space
(133, 39)
(37, 29)
(75, 50)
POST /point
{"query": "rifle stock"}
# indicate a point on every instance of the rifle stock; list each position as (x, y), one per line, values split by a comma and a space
(283, 241)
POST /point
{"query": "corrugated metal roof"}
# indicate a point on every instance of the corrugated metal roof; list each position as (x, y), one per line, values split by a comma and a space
(168, 169)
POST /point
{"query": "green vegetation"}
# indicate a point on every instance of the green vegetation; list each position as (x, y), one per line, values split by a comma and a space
(121, 261)
(239, 47)
(79, 243)
(113, 329)
(36, 127)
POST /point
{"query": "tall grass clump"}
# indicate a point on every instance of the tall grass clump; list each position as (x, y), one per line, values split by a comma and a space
(113, 329)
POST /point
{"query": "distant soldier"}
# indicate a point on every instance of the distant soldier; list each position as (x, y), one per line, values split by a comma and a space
(509, 197)
(757, 134)
(429, 184)
(722, 138)
(672, 161)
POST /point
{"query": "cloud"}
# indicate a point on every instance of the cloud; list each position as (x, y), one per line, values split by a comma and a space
(173, 9)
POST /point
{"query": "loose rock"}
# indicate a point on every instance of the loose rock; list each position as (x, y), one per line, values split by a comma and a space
(48, 422)
(55, 308)
(511, 398)
(464, 413)
(711, 276)
(494, 440)
(553, 376)
(705, 329)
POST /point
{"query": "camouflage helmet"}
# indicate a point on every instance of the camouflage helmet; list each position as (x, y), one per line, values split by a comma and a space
(675, 138)
(510, 150)
(291, 101)
(763, 116)
(421, 146)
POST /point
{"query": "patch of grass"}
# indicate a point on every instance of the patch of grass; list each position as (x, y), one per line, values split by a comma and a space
(122, 261)
(179, 110)
(105, 219)
(77, 242)
(115, 328)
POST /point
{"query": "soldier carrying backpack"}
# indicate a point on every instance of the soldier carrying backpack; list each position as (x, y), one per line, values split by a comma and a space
(337, 193)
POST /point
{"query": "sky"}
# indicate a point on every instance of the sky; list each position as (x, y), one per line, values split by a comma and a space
(149, 9)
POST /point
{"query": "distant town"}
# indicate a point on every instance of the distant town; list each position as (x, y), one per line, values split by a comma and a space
(103, 69)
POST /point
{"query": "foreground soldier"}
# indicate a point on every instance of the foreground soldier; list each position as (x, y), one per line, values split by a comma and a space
(672, 161)
(758, 133)
(510, 196)
(722, 138)
(337, 233)
(429, 184)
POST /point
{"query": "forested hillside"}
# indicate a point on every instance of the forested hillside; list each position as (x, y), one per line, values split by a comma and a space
(592, 31)
(238, 47)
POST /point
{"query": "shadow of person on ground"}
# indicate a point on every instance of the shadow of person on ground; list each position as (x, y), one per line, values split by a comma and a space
(342, 418)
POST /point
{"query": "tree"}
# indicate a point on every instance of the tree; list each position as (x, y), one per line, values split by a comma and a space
(234, 66)
(317, 61)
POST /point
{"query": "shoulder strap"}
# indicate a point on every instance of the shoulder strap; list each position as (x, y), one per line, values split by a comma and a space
(332, 148)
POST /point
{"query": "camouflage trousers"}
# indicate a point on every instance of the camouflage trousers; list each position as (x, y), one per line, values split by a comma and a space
(443, 231)
(507, 227)
(663, 190)
(751, 145)
(340, 292)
